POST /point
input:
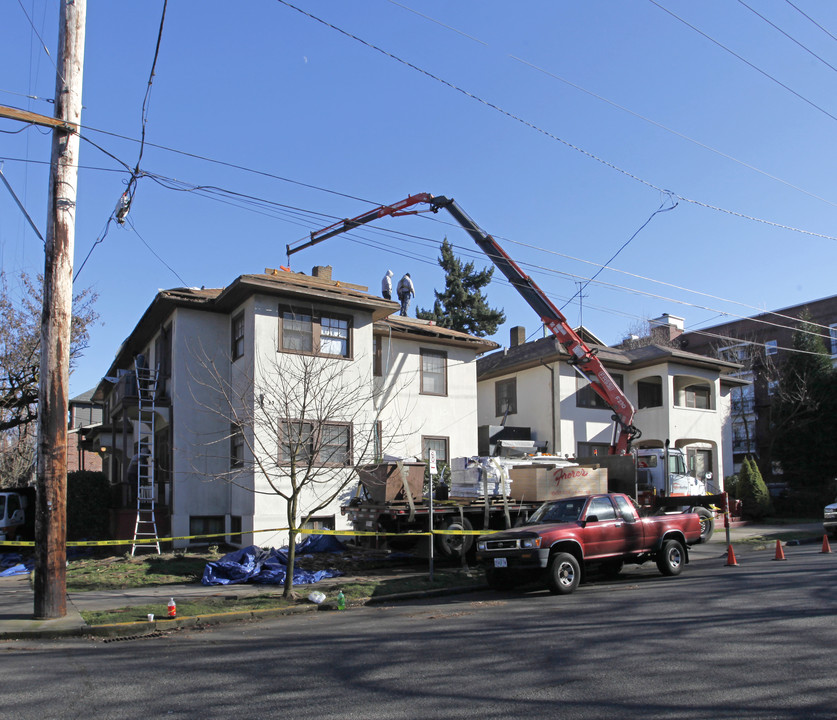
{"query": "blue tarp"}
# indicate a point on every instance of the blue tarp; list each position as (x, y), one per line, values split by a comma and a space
(14, 564)
(269, 567)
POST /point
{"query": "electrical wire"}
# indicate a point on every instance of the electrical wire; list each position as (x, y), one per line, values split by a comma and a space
(551, 135)
(808, 17)
(154, 252)
(789, 37)
(43, 44)
(637, 115)
(742, 59)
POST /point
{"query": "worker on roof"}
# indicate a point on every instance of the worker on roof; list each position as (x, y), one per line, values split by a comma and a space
(405, 292)
(386, 286)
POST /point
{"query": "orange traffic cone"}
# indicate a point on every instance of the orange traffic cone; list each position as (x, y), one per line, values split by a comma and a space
(826, 548)
(731, 556)
(780, 554)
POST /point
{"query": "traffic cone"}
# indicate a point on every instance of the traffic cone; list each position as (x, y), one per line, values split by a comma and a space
(731, 556)
(780, 554)
(826, 548)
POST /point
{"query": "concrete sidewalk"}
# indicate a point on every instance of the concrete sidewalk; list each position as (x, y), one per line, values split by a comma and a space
(17, 595)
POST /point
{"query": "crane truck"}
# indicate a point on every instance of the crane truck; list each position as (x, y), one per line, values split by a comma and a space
(583, 359)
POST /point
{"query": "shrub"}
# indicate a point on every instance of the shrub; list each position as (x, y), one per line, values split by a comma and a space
(754, 494)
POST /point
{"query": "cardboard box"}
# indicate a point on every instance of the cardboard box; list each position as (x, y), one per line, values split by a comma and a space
(531, 483)
(383, 482)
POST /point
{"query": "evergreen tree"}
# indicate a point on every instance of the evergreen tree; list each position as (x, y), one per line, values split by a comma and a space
(463, 306)
(754, 494)
(804, 415)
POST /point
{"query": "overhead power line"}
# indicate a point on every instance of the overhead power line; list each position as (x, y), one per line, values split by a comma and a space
(551, 135)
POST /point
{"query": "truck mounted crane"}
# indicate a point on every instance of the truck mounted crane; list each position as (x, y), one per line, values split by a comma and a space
(583, 358)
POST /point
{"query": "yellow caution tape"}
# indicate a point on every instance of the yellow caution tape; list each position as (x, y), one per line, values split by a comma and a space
(300, 531)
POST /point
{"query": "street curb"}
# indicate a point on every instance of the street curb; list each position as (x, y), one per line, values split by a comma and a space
(144, 629)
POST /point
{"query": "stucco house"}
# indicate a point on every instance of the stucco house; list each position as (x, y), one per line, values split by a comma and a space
(679, 396)
(220, 356)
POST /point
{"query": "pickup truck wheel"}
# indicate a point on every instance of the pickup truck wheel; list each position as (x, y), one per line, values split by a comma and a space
(707, 523)
(563, 574)
(671, 558)
(455, 547)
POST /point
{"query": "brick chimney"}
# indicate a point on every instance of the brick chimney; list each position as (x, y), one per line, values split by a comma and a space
(517, 335)
(323, 272)
(666, 327)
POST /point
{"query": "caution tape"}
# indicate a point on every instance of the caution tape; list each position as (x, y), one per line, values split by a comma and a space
(300, 531)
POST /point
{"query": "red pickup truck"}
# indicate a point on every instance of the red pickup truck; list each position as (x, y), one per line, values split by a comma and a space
(565, 536)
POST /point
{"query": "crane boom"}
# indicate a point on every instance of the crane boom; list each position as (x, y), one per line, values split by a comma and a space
(582, 357)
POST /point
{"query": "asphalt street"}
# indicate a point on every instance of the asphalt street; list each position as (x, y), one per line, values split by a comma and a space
(748, 641)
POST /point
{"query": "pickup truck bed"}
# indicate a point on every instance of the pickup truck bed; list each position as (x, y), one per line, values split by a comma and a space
(566, 536)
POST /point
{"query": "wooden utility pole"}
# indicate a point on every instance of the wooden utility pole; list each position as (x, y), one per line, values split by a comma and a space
(51, 509)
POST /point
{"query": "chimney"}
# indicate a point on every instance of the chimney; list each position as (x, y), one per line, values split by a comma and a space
(517, 335)
(323, 272)
(666, 327)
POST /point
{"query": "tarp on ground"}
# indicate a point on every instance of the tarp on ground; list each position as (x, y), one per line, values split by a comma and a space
(269, 567)
(14, 564)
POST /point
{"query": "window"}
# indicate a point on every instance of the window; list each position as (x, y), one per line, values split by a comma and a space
(771, 347)
(296, 441)
(650, 393)
(237, 336)
(206, 525)
(742, 438)
(832, 330)
(626, 510)
(743, 400)
(602, 508)
(236, 447)
(335, 445)
(586, 397)
(306, 332)
(326, 444)
(592, 449)
(772, 387)
(439, 444)
(297, 332)
(334, 336)
(378, 359)
(505, 397)
(697, 396)
(322, 522)
(434, 376)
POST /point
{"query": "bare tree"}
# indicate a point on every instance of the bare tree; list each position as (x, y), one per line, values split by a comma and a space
(304, 425)
(20, 333)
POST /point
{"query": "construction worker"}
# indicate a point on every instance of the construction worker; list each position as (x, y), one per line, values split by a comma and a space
(405, 292)
(386, 286)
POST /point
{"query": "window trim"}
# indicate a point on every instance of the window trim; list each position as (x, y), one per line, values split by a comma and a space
(693, 387)
(426, 352)
(317, 317)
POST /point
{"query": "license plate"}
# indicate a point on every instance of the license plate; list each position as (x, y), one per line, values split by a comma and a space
(500, 562)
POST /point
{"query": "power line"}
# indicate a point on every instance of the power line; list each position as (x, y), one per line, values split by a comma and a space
(550, 135)
(789, 37)
(616, 105)
(808, 17)
(742, 59)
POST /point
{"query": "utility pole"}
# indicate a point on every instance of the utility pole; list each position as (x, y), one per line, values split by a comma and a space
(51, 509)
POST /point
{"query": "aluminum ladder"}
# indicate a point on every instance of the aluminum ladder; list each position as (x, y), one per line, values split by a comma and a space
(145, 528)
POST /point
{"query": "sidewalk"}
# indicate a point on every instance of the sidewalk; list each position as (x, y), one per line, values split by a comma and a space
(17, 595)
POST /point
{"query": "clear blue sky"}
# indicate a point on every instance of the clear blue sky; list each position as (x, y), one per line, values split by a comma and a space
(554, 124)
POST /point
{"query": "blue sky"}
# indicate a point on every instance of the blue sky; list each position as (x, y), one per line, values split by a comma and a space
(556, 125)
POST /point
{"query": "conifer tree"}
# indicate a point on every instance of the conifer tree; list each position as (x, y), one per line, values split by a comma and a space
(462, 305)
